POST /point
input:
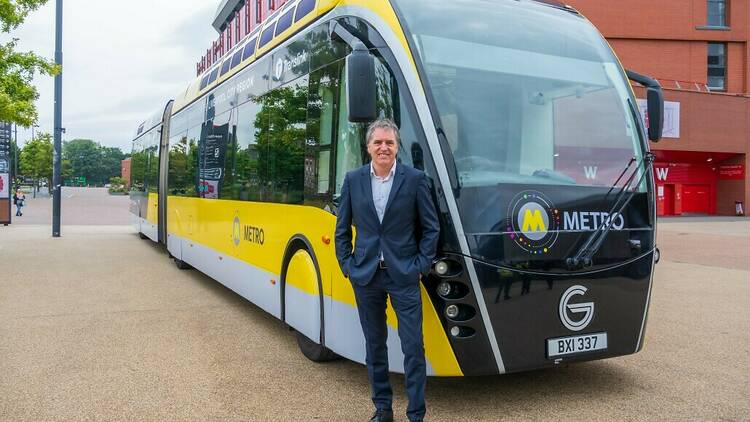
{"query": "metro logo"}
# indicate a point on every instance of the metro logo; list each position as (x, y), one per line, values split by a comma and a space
(533, 221)
(535, 224)
(591, 220)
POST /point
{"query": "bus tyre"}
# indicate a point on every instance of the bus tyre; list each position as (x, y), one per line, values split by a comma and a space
(314, 351)
(181, 264)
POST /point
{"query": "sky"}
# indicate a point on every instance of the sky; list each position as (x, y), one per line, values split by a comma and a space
(122, 61)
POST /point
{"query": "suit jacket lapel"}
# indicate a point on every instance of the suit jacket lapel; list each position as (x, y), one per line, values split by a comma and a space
(367, 189)
(398, 180)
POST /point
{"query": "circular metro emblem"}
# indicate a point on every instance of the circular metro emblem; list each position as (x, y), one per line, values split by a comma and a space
(236, 231)
(533, 222)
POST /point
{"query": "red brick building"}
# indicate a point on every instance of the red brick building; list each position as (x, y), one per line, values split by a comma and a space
(125, 170)
(700, 52)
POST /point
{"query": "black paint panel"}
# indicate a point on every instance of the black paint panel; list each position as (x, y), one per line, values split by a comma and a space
(524, 310)
(493, 216)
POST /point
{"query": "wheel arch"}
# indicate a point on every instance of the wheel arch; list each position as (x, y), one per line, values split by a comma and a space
(296, 243)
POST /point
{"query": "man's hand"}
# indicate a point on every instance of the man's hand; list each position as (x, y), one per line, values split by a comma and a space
(343, 236)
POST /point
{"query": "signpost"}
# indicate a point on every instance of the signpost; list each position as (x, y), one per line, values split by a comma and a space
(5, 173)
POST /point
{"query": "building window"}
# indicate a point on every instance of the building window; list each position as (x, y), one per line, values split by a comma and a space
(717, 66)
(717, 13)
(258, 16)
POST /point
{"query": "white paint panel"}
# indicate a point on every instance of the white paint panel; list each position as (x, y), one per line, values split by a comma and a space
(302, 312)
(174, 246)
(244, 279)
(150, 230)
(135, 221)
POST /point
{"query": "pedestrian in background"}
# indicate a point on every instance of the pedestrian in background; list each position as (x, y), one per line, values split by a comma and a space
(19, 199)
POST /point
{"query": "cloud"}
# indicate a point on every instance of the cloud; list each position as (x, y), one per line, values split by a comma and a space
(121, 62)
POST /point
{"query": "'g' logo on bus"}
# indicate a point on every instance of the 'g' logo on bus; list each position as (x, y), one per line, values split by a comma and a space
(533, 222)
(567, 309)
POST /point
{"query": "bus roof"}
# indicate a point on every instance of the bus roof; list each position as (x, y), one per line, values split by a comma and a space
(262, 40)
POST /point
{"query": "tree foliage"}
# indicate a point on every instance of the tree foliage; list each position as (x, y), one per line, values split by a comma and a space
(89, 159)
(35, 159)
(17, 69)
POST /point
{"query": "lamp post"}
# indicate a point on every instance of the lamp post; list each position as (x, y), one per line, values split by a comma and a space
(58, 129)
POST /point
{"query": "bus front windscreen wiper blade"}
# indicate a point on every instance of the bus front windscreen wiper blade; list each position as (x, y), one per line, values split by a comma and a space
(583, 258)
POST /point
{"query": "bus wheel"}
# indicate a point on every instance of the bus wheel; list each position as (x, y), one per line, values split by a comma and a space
(303, 302)
(314, 351)
(181, 264)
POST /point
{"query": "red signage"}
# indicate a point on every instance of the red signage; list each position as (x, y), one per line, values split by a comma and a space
(731, 171)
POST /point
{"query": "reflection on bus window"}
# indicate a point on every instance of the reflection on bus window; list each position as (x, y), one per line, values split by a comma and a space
(281, 127)
(351, 148)
(246, 170)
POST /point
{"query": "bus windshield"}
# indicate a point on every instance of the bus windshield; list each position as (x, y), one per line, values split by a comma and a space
(527, 93)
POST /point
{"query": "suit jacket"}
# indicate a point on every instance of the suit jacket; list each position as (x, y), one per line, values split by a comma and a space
(407, 237)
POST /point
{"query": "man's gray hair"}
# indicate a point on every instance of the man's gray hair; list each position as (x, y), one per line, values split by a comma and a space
(382, 124)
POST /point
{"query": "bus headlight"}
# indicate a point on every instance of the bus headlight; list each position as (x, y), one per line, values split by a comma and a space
(452, 311)
(441, 267)
(444, 289)
(462, 332)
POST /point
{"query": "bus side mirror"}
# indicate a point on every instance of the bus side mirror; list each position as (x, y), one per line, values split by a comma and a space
(361, 85)
(655, 101)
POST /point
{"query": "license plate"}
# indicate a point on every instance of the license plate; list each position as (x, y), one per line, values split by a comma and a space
(563, 346)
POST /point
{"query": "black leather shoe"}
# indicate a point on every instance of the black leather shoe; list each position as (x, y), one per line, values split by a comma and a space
(382, 416)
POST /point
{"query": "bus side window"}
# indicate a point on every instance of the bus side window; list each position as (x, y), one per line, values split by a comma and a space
(177, 164)
(391, 104)
(191, 164)
(246, 168)
(281, 126)
(137, 167)
(350, 140)
(323, 94)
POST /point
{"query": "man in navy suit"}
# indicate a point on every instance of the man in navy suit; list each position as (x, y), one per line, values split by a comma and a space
(397, 228)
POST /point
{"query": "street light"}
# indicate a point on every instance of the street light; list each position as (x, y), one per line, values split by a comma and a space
(58, 129)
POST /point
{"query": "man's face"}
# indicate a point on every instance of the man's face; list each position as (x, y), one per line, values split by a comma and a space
(382, 147)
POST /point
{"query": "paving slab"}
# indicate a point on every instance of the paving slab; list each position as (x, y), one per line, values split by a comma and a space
(100, 325)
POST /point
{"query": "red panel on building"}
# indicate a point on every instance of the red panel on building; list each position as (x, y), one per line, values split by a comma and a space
(731, 172)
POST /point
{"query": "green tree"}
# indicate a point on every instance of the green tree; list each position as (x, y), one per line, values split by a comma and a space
(87, 158)
(17, 69)
(83, 155)
(110, 164)
(35, 159)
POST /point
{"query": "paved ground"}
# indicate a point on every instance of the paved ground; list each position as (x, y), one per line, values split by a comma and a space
(80, 206)
(99, 325)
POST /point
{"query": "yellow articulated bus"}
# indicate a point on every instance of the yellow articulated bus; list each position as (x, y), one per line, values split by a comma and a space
(518, 112)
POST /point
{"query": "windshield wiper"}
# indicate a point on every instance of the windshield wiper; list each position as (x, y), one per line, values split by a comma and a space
(583, 258)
